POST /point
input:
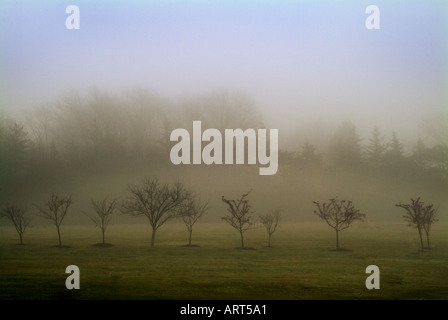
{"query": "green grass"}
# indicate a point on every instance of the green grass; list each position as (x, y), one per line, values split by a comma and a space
(302, 263)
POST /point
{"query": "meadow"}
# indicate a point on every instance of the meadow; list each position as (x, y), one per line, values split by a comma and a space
(301, 264)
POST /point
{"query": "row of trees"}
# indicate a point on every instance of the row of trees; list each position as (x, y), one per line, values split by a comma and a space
(377, 154)
(160, 202)
(103, 130)
(338, 214)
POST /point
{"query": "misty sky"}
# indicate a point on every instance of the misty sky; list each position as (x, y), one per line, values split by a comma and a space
(300, 59)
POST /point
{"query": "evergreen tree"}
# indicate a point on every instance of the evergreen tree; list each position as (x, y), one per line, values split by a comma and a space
(420, 154)
(308, 156)
(395, 159)
(345, 147)
(438, 162)
(14, 148)
(376, 150)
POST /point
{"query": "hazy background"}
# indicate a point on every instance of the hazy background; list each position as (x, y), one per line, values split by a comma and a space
(300, 60)
(305, 66)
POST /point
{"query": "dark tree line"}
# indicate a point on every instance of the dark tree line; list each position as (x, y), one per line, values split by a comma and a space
(102, 130)
(107, 131)
(378, 155)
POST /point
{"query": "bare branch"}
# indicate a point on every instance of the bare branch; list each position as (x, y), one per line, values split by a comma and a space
(158, 202)
(239, 216)
(419, 216)
(338, 214)
(18, 217)
(56, 209)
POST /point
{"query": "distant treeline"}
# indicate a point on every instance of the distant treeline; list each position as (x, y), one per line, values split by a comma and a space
(104, 130)
(378, 155)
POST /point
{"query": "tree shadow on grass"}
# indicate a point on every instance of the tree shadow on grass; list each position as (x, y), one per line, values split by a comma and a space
(340, 250)
(102, 245)
(61, 246)
(191, 245)
(245, 248)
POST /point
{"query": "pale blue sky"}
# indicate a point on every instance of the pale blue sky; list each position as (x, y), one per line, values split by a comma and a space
(297, 58)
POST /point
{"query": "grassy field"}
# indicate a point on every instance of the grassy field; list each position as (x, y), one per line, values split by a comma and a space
(302, 263)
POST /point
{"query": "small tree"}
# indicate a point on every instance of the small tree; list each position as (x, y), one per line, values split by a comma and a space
(103, 211)
(18, 217)
(239, 216)
(270, 222)
(429, 217)
(191, 212)
(338, 214)
(419, 216)
(157, 202)
(56, 210)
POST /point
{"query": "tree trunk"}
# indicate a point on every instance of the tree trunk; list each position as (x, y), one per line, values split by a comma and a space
(337, 239)
(242, 241)
(421, 239)
(21, 238)
(269, 240)
(427, 239)
(153, 237)
(189, 240)
(59, 236)
(102, 230)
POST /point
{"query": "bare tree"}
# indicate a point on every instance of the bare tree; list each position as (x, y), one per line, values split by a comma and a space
(338, 214)
(270, 222)
(103, 214)
(430, 216)
(419, 216)
(239, 214)
(55, 210)
(191, 212)
(157, 202)
(18, 217)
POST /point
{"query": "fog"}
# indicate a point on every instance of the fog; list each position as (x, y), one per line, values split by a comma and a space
(97, 104)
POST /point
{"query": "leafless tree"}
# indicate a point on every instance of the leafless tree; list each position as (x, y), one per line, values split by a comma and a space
(55, 210)
(156, 201)
(18, 217)
(419, 216)
(270, 222)
(103, 213)
(430, 216)
(338, 214)
(239, 214)
(191, 212)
